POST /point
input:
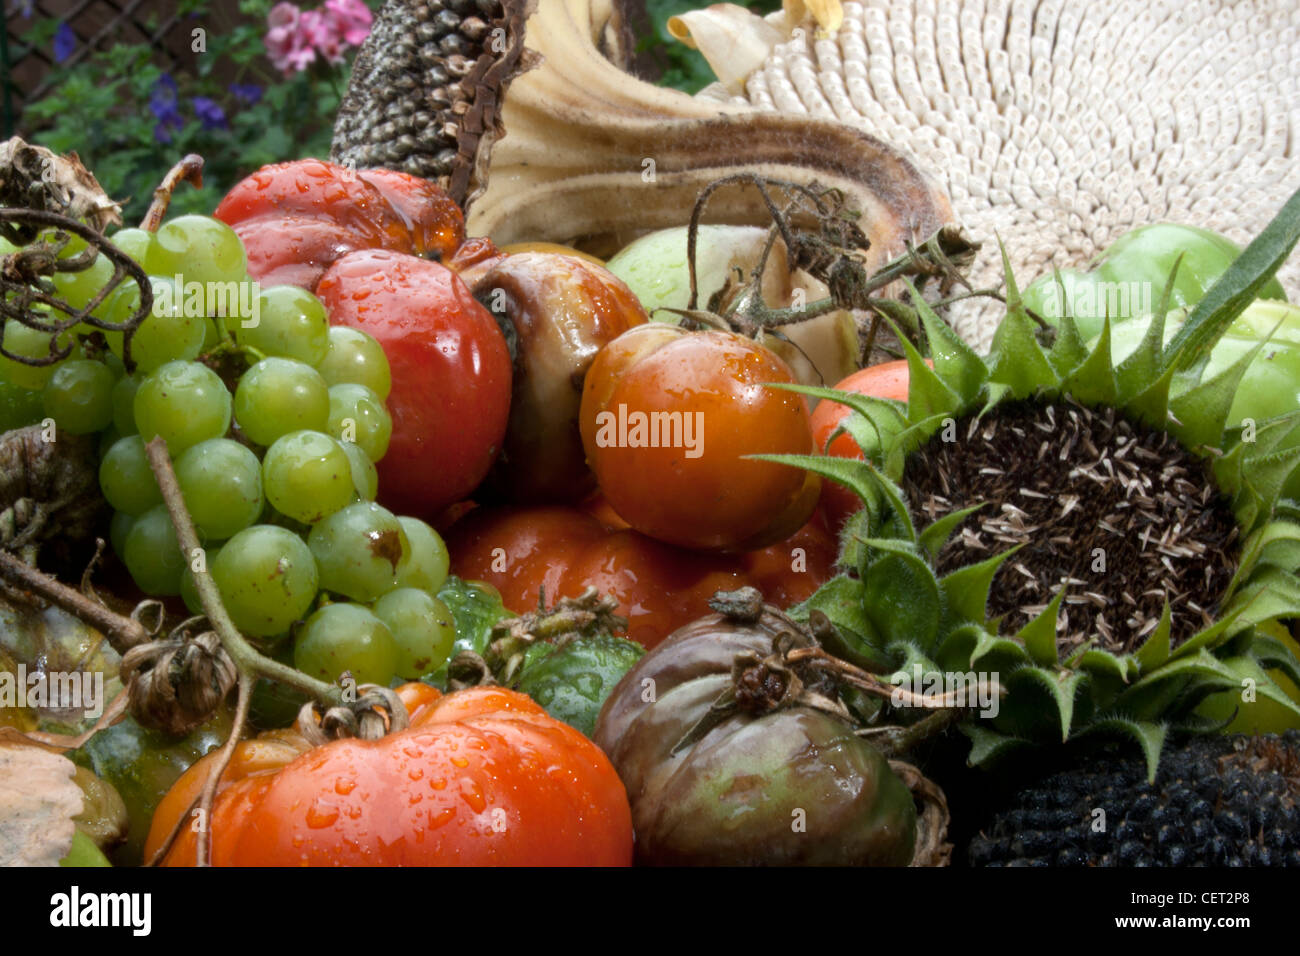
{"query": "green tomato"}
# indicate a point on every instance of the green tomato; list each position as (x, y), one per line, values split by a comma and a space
(1129, 278)
(655, 267)
(475, 608)
(1271, 383)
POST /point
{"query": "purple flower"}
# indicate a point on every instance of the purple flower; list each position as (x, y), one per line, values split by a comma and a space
(163, 105)
(22, 8)
(209, 113)
(65, 43)
(246, 93)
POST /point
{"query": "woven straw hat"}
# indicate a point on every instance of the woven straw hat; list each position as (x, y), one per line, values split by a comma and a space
(1053, 125)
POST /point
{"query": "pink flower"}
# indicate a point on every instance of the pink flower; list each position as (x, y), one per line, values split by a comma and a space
(352, 19)
(321, 32)
(286, 44)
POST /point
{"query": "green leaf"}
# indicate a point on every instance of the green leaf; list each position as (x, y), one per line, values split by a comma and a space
(856, 475)
(857, 640)
(1093, 382)
(1272, 654)
(1151, 405)
(988, 746)
(954, 360)
(1068, 351)
(990, 645)
(1018, 361)
(900, 595)
(1149, 736)
(966, 590)
(1270, 594)
(1039, 635)
(1143, 365)
(1202, 412)
(927, 394)
(1237, 287)
(1061, 685)
(1098, 663)
(937, 533)
(1156, 648)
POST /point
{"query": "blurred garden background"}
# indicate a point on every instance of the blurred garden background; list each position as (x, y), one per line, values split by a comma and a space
(133, 85)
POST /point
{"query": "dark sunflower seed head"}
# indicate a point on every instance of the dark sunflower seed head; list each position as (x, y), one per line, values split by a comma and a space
(1119, 514)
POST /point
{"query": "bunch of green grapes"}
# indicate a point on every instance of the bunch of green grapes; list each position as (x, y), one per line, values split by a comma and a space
(277, 471)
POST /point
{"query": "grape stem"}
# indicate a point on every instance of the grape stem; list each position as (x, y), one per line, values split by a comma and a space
(122, 632)
(189, 169)
(247, 659)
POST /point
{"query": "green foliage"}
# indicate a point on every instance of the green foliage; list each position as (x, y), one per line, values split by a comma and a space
(100, 107)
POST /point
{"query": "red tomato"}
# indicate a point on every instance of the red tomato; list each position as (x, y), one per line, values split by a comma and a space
(296, 218)
(659, 587)
(482, 777)
(451, 374)
(668, 418)
(888, 380)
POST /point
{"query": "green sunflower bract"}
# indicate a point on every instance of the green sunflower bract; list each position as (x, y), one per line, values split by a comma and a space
(893, 613)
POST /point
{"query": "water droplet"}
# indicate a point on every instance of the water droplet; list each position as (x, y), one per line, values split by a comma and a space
(439, 784)
(321, 815)
(460, 762)
(472, 794)
(344, 785)
(415, 773)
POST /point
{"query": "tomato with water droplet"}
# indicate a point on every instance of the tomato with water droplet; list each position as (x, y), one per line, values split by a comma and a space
(525, 790)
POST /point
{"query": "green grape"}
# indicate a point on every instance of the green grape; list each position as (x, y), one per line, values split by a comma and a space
(267, 579)
(430, 560)
(357, 359)
(346, 637)
(307, 476)
(167, 334)
(134, 242)
(78, 288)
(277, 396)
(358, 415)
(30, 343)
(211, 336)
(126, 478)
(20, 407)
(79, 396)
(107, 439)
(359, 550)
(200, 248)
(118, 529)
(185, 403)
(221, 481)
(124, 404)
(292, 323)
(152, 554)
(365, 477)
(421, 625)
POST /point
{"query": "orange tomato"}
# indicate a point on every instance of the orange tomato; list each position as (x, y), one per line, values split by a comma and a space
(668, 420)
(887, 380)
(481, 777)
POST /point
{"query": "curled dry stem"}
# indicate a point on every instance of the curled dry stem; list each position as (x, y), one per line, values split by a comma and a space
(932, 819)
(189, 169)
(23, 282)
